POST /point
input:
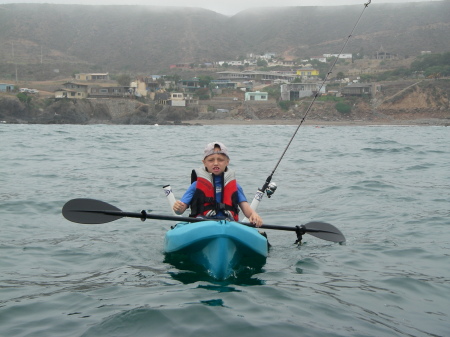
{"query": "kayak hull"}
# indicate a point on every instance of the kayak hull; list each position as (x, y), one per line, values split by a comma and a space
(220, 247)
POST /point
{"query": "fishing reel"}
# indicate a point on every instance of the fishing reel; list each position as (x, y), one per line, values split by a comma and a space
(270, 190)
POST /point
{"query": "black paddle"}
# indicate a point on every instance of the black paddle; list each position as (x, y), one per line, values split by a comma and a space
(91, 211)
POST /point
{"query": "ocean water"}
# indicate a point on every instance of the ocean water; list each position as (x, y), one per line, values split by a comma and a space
(386, 188)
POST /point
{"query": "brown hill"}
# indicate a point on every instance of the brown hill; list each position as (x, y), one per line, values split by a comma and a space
(44, 40)
(404, 29)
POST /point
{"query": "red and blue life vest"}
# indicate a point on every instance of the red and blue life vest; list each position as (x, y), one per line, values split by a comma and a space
(204, 200)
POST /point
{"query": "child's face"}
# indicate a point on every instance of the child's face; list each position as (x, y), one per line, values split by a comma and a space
(216, 163)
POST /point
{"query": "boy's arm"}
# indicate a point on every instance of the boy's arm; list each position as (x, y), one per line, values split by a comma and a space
(181, 205)
(251, 214)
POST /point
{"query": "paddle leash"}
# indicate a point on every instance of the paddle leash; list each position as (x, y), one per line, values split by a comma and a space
(270, 187)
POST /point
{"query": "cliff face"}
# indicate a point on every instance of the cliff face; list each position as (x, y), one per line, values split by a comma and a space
(408, 100)
(12, 109)
(427, 96)
(411, 101)
(109, 111)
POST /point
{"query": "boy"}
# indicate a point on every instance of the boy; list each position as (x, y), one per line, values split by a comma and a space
(215, 192)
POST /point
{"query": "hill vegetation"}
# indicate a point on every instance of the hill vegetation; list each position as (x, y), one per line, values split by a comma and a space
(428, 66)
(43, 41)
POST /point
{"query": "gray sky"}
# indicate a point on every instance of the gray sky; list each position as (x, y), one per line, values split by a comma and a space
(228, 7)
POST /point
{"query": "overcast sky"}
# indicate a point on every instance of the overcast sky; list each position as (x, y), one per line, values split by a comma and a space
(228, 7)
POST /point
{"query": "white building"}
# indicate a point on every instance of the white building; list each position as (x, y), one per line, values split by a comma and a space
(294, 91)
(341, 56)
(256, 96)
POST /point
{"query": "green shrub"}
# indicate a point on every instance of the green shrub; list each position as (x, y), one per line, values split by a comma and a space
(273, 91)
(343, 108)
(285, 105)
(203, 94)
(24, 98)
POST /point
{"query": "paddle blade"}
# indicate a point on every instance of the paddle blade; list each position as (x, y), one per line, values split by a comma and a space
(89, 211)
(324, 231)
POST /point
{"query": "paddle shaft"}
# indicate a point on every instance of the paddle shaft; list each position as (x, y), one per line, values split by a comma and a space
(91, 211)
(144, 215)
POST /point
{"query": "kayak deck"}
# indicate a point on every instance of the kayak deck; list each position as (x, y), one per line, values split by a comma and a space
(221, 247)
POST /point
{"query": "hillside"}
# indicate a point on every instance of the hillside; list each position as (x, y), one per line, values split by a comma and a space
(404, 29)
(44, 41)
(421, 102)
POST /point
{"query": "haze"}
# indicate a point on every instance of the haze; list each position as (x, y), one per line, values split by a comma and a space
(227, 7)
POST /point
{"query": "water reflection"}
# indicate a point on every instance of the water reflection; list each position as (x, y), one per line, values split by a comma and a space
(190, 272)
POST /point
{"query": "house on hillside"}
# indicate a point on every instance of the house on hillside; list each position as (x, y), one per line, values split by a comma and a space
(236, 63)
(76, 86)
(319, 58)
(295, 91)
(259, 76)
(268, 56)
(177, 99)
(341, 56)
(381, 54)
(235, 75)
(6, 87)
(70, 93)
(256, 96)
(139, 87)
(288, 62)
(162, 98)
(190, 85)
(153, 84)
(308, 72)
(358, 89)
(72, 90)
(104, 92)
(92, 76)
(224, 83)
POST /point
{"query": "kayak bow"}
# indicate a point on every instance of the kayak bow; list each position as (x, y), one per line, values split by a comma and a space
(220, 247)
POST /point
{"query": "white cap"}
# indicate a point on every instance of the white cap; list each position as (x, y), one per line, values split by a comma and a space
(209, 149)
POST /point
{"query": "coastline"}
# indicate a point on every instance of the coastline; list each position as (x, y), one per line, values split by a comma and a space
(312, 122)
(294, 122)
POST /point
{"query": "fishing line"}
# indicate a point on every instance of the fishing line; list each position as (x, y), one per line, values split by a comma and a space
(271, 189)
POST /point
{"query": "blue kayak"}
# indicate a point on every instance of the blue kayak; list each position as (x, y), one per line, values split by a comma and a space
(221, 247)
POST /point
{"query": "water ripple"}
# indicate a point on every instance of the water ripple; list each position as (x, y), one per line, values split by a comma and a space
(385, 188)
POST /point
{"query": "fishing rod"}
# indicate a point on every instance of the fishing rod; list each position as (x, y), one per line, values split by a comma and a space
(270, 187)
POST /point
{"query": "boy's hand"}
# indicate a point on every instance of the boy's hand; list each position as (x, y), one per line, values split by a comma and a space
(255, 219)
(179, 207)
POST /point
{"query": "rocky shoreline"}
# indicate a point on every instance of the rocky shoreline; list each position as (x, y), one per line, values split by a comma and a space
(422, 106)
(314, 122)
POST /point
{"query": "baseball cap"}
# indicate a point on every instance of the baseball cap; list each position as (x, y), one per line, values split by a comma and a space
(209, 149)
